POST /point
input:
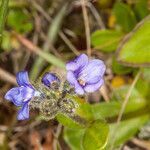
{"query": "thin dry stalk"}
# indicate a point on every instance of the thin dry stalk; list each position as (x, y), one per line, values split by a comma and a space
(6, 76)
(104, 93)
(31, 47)
(124, 106)
(56, 135)
(61, 34)
(141, 143)
(97, 16)
(87, 27)
(68, 43)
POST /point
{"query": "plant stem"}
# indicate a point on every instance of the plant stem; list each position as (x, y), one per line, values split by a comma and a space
(87, 27)
(3, 13)
(124, 105)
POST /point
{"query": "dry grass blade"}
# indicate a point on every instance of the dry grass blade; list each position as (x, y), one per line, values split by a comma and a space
(141, 143)
(6, 76)
(46, 56)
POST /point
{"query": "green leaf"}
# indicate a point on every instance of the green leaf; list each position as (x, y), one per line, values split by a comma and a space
(112, 109)
(141, 9)
(51, 59)
(19, 21)
(120, 94)
(73, 138)
(144, 85)
(134, 50)
(84, 108)
(146, 74)
(106, 40)
(95, 136)
(125, 16)
(68, 122)
(120, 69)
(84, 111)
(125, 130)
(144, 82)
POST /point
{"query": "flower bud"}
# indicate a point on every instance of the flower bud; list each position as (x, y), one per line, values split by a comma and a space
(51, 80)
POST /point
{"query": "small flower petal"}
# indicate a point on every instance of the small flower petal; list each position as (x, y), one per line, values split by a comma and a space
(22, 79)
(78, 62)
(14, 96)
(79, 90)
(73, 81)
(49, 78)
(93, 87)
(93, 72)
(19, 95)
(23, 113)
(71, 78)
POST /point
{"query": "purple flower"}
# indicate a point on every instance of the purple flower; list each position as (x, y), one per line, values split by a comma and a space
(49, 78)
(85, 75)
(21, 95)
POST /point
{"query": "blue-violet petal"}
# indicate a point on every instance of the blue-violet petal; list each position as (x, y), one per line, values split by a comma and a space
(93, 87)
(73, 81)
(23, 113)
(23, 79)
(77, 63)
(49, 78)
(93, 72)
(19, 95)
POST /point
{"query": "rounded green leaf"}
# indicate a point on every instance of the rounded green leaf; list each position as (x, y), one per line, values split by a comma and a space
(106, 40)
(95, 136)
(134, 50)
(73, 138)
(125, 16)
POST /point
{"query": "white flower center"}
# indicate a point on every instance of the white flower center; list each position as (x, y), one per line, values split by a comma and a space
(37, 93)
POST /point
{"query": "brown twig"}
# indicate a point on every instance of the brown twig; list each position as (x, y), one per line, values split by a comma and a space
(67, 41)
(104, 93)
(141, 143)
(31, 47)
(97, 16)
(61, 34)
(6, 76)
(87, 27)
(56, 135)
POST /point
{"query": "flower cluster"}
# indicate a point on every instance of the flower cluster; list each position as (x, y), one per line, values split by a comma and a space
(83, 75)
(22, 94)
